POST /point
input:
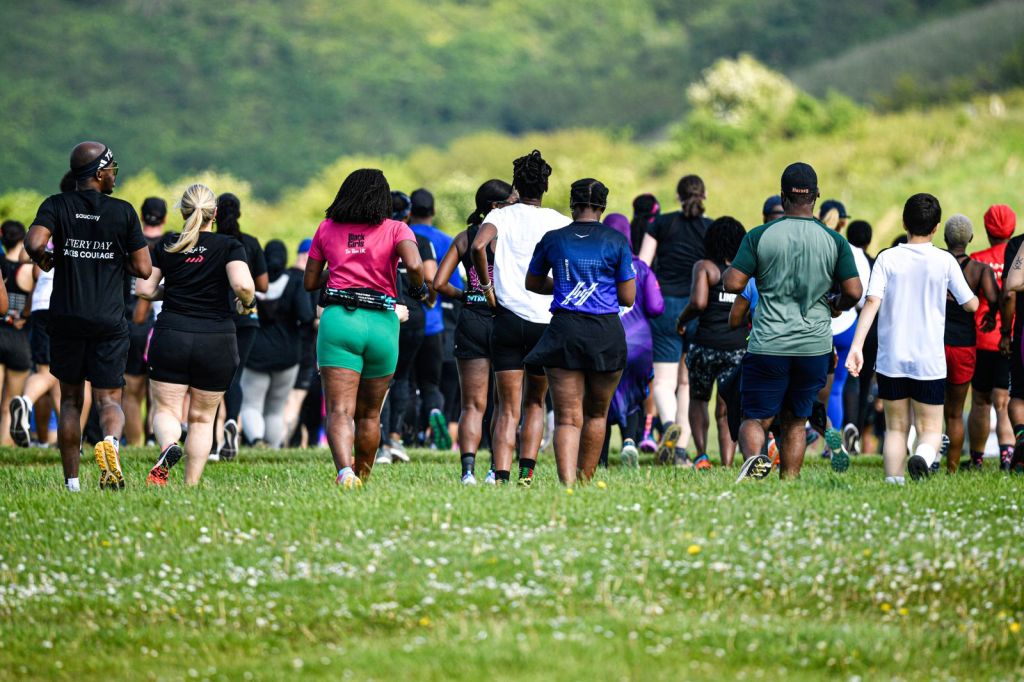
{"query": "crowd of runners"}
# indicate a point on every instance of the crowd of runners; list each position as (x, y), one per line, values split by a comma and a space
(528, 327)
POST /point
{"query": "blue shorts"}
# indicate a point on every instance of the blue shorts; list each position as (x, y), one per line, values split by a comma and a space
(668, 345)
(927, 392)
(771, 383)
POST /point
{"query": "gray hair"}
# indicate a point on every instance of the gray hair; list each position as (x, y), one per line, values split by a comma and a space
(959, 230)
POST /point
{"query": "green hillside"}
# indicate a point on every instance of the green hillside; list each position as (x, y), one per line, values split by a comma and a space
(275, 91)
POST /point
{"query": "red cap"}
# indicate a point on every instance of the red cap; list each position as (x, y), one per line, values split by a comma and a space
(1000, 221)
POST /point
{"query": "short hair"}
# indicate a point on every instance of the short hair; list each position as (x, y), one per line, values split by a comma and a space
(11, 233)
(364, 198)
(530, 175)
(722, 240)
(588, 192)
(958, 231)
(859, 233)
(799, 199)
(922, 214)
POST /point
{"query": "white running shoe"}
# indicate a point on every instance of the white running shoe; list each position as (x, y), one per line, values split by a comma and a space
(469, 479)
(398, 452)
(384, 456)
(20, 431)
(549, 432)
(489, 478)
(229, 450)
(629, 454)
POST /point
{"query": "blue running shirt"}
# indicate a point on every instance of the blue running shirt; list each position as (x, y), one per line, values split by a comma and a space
(587, 260)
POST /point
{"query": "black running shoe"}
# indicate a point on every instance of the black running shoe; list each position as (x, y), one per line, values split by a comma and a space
(168, 458)
(20, 432)
(1017, 461)
(851, 439)
(918, 468)
(756, 467)
(229, 450)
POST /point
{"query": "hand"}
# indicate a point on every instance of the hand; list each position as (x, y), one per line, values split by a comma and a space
(46, 261)
(855, 361)
(988, 321)
(681, 327)
(492, 300)
(402, 312)
(1005, 344)
(244, 309)
(19, 322)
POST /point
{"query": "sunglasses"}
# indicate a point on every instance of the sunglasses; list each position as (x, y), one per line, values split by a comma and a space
(113, 168)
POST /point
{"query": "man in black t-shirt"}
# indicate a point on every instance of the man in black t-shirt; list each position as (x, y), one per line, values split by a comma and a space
(96, 240)
(1011, 332)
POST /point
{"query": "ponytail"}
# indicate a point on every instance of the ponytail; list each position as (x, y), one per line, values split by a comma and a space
(692, 194)
(198, 205)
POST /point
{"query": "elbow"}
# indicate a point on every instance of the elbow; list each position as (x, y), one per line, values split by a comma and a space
(732, 283)
(972, 305)
(145, 271)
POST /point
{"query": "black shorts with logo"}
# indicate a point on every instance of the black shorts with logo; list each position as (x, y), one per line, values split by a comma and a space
(512, 339)
(202, 360)
(77, 356)
(15, 348)
(473, 333)
(579, 341)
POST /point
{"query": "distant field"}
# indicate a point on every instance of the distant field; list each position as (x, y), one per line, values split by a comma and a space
(268, 571)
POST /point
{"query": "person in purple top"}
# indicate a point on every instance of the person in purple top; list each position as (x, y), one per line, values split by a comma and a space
(583, 350)
(634, 387)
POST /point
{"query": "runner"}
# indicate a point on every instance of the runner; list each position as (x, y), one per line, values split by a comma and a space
(521, 316)
(357, 343)
(629, 404)
(96, 241)
(674, 242)
(908, 292)
(795, 260)
(15, 346)
(307, 376)
(857, 389)
(992, 374)
(270, 374)
(583, 350)
(772, 209)
(716, 349)
(646, 209)
(1011, 335)
(246, 325)
(961, 335)
(194, 349)
(473, 330)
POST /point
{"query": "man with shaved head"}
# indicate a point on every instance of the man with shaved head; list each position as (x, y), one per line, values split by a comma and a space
(97, 240)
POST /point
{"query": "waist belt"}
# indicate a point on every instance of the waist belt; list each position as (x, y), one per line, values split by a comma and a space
(370, 300)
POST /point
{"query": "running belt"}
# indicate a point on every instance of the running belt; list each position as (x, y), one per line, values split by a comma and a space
(356, 298)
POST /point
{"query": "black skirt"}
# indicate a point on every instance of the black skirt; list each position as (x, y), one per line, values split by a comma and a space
(582, 342)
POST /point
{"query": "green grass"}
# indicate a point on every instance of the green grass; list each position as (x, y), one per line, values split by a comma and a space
(268, 569)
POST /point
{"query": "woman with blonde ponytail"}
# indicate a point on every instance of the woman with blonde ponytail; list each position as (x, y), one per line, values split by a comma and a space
(193, 351)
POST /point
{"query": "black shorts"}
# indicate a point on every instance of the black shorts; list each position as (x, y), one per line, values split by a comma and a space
(928, 392)
(473, 333)
(1016, 367)
(772, 384)
(39, 337)
(100, 360)
(512, 339)
(206, 361)
(307, 362)
(138, 337)
(578, 341)
(991, 371)
(15, 348)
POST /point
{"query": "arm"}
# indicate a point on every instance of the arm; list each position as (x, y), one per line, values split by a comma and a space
(699, 290)
(35, 245)
(410, 255)
(855, 360)
(25, 277)
(734, 281)
(242, 283)
(544, 285)
(429, 272)
(739, 312)
(850, 293)
(648, 249)
(626, 292)
(447, 267)
(140, 264)
(148, 288)
(1013, 279)
(311, 277)
(972, 305)
(990, 290)
(485, 236)
(654, 302)
(261, 282)
(1007, 309)
(142, 308)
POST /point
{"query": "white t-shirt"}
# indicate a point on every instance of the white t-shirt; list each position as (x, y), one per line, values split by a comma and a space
(520, 228)
(848, 318)
(912, 281)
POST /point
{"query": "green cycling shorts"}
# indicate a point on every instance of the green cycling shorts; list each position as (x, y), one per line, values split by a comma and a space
(364, 341)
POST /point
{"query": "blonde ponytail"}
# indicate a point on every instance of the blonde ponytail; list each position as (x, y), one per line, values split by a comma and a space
(197, 205)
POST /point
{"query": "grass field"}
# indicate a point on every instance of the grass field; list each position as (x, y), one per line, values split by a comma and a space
(268, 570)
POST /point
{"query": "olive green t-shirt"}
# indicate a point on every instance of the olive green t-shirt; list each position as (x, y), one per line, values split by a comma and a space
(794, 262)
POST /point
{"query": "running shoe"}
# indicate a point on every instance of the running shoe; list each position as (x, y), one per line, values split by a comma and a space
(943, 448)
(469, 479)
(756, 467)
(979, 463)
(840, 457)
(851, 439)
(819, 418)
(772, 451)
(702, 463)
(629, 454)
(1017, 460)
(549, 431)
(682, 459)
(168, 458)
(667, 447)
(348, 481)
(439, 430)
(106, 453)
(489, 478)
(811, 436)
(918, 468)
(214, 457)
(229, 450)
(648, 444)
(525, 481)
(398, 452)
(1005, 459)
(383, 456)
(20, 431)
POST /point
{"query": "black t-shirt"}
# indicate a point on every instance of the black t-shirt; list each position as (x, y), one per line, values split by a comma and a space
(197, 293)
(257, 266)
(94, 236)
(680, 246)
(417, 317)
(283, 310)
(1011, 252)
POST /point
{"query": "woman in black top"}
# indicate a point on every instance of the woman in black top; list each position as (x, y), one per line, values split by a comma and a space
(246, 325)
(716, 349)
(194, 350)
(473, 329)
(273, 364)
(15, 349)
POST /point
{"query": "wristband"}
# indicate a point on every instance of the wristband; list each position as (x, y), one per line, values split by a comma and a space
(420, 292)
(484, 288)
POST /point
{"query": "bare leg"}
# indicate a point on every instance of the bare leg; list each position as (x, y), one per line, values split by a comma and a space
(534, 416)
(953, 410)
(202, 411)
(979, 420)
(897, 426)
(928, 423)
(726, 445)
(794, 445)
(567, 387)
(508, 409)
(753, 433)
(340, 389)
(699, 422)
(597, 397)
(41, 383)
(86, 406)
(666, 379)
(683, 404)
(474, 380)
(1004, 429)
(167, 412)
(111, 416)
(134, 397)
(69, 431)
(369, 402)
(292, 409)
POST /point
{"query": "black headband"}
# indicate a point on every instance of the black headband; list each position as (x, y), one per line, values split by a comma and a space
(96, 165)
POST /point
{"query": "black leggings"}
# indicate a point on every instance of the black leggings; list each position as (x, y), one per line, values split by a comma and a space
(233, 398)
(409, 341)
(429, 361)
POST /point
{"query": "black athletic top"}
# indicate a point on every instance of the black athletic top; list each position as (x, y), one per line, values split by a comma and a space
(680, 246)
(474, 299)
(257, 261)
(197, 294)
(713, 326)
(283, 310)
(960, 328)
(417, 317)
(17, 298)
(1018, 319)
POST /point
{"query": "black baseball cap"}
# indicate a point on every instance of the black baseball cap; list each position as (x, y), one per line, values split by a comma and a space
(799, 178)
(154, 210)
(422, 203)
(829, 204)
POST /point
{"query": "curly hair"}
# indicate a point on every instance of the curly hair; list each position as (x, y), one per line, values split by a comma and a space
(588, 192)
(722, 240)
(364, 198)
(530, 175)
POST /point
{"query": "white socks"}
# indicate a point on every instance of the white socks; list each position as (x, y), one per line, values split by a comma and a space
(72, 485)
(927, 453)
(895, 480)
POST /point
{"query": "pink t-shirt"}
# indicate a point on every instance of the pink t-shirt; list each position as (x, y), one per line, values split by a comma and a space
(360, 256)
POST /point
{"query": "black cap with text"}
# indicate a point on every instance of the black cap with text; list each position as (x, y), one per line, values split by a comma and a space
(799, 178)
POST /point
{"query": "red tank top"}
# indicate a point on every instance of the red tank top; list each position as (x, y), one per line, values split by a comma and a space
(994, 257)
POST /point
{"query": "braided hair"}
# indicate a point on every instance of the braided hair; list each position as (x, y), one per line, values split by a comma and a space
(229, 210)
(364, 198)
(722, 240)
(530, 175)
(588, 193)
(491, 192)
(692, 194)
(645, 210)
